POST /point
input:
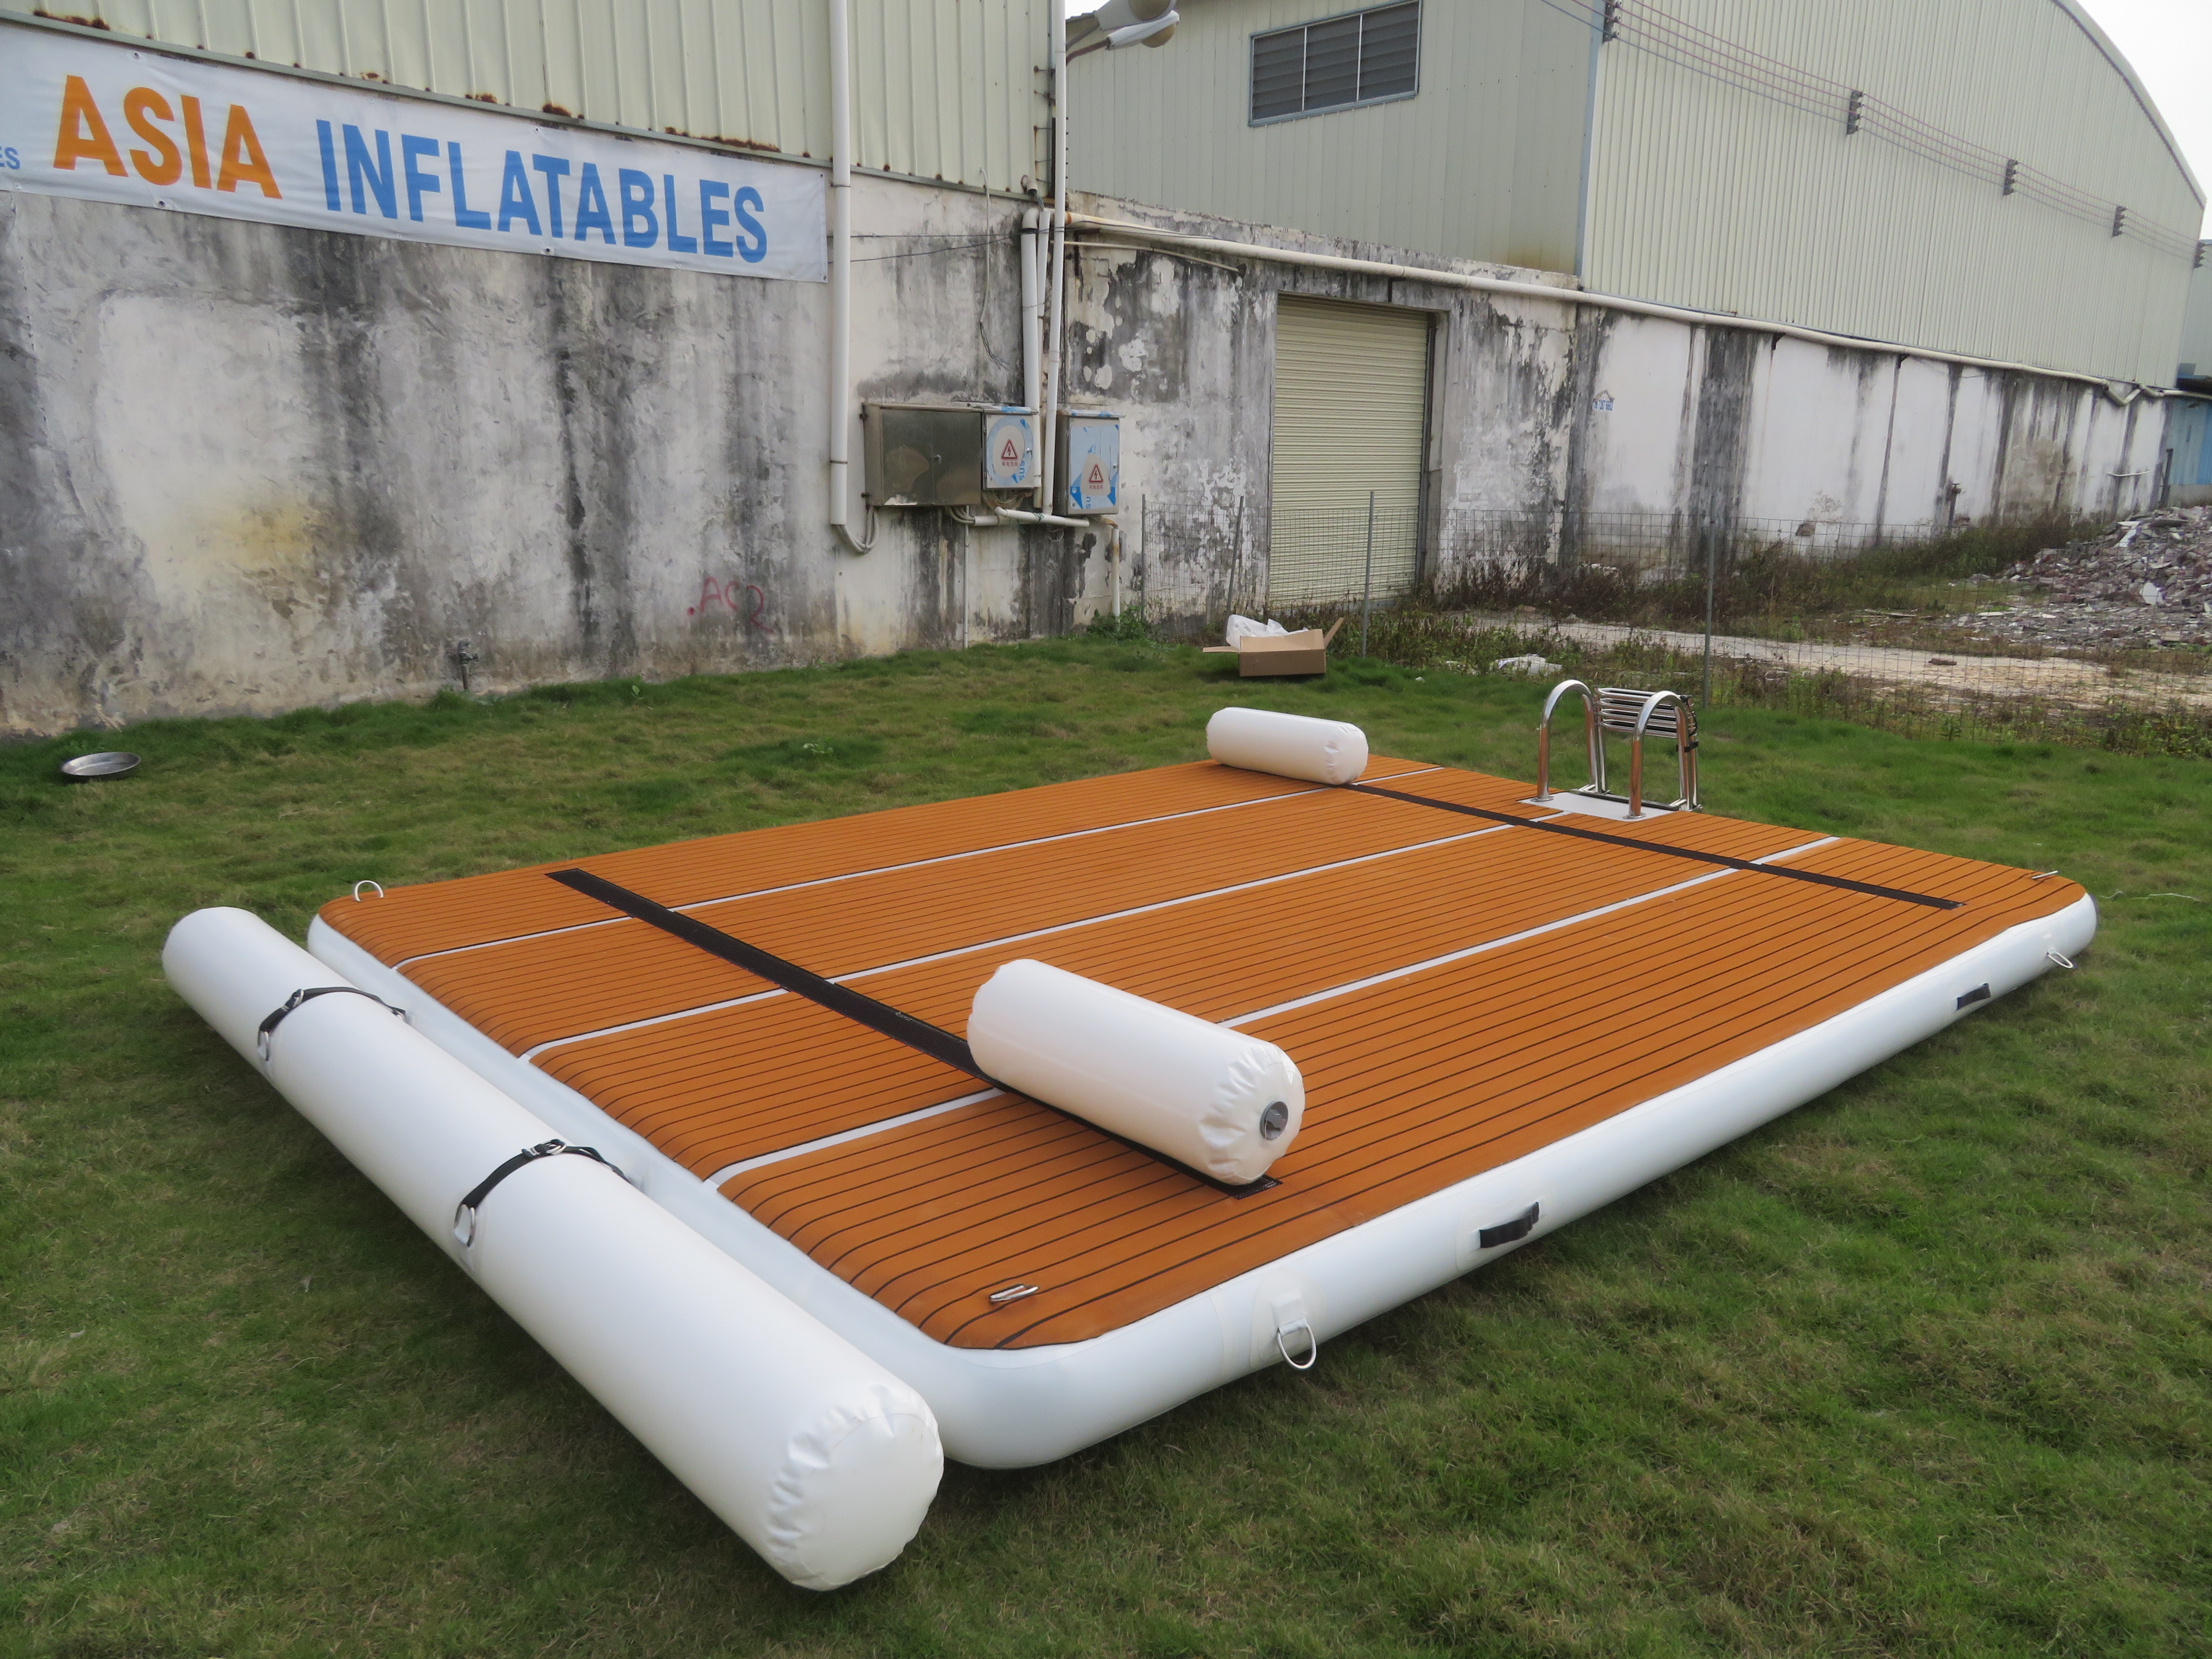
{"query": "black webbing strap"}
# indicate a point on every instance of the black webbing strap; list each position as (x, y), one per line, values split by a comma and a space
(1552, 828)
(464, 1213)
(934, 1041)
(299, 997)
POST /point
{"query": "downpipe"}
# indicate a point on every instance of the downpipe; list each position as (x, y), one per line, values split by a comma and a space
(840, 279)
(1048, 423)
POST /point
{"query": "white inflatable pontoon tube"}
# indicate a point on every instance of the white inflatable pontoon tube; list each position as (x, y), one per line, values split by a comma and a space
(812, 1452)
(1225, 1103)
(1289, 745)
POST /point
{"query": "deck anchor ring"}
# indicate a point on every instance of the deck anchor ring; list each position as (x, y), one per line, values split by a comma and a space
(1313, 1345)
(2061, 958)
(358, 885)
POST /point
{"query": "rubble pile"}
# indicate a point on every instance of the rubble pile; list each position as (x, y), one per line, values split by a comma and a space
(2147, 583)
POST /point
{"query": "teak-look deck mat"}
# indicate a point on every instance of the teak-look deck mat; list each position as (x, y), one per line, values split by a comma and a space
(1459, 987)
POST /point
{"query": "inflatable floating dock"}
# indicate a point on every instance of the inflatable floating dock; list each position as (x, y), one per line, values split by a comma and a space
(842, 1240)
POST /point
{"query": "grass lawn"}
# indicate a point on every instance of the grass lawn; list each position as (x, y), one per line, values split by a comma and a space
(1921, 1368)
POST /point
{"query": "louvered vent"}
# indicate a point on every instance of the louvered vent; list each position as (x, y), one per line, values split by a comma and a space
(1357, 59)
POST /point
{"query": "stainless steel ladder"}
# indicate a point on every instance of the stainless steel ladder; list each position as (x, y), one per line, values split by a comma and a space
(1631, 713)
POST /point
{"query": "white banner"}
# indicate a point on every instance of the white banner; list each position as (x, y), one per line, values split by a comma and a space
(113, 123)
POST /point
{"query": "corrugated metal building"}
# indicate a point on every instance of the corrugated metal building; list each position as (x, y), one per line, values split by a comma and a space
(1986, 177)
(945, 90)
(2196, 321)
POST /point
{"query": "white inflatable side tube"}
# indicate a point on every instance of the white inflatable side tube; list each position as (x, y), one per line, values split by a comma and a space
(1289, 745)
(815, 1454)
(1012, 1408)
(1225, 1103)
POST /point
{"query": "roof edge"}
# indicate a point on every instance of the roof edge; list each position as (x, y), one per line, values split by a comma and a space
(2126, 70)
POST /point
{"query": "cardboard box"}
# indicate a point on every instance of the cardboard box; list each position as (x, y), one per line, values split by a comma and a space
(1305, 651)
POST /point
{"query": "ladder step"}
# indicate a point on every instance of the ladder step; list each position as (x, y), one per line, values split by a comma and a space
(1621, 706)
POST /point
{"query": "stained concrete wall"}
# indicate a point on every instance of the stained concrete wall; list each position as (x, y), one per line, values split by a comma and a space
(1183, 348)
(249, 467)
(1555, 425)
(1725, 425)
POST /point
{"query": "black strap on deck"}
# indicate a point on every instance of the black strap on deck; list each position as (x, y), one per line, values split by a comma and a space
(465, 1213)
(934, 1041)
(298, 998)
(1552, 828)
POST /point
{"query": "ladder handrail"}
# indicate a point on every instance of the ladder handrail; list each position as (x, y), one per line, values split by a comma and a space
(1593, 741)
(1686, 760)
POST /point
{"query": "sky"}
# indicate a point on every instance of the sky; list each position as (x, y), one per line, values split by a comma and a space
(2169, 42)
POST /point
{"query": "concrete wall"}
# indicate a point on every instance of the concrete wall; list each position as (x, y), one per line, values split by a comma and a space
(250, 468)
(1553, 423)
(1183, 349)
(1726, 424)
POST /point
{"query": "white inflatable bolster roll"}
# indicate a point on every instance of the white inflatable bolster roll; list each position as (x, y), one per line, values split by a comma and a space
(1289, 745)
(811, 1451)
(1224, 1103)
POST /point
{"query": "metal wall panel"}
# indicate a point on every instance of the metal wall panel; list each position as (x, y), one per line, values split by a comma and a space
(2196, 320)
(1484, 163)
(1706, 193)
(1703, 193)
(945, 90)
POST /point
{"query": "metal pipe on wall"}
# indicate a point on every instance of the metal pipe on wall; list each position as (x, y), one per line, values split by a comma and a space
(1032, 313)
(1047, 434)
(841, 276)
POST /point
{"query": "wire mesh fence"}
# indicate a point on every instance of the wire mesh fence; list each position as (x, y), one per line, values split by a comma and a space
(1359, 553)
(1932, 630)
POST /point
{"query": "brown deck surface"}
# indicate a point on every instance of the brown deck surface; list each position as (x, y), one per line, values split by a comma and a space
(1457, 992)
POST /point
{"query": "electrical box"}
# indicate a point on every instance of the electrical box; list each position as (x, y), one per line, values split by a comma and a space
(1091, 460)
(1010, 457)
(924, 454)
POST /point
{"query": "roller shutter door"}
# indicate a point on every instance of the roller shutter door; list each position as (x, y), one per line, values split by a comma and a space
(1351, 395)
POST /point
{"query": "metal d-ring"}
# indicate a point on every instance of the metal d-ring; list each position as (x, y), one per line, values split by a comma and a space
(358, 885)
(1313, 1345)
(2060, 957)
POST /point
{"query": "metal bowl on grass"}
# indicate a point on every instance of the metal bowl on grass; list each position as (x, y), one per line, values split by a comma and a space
(110, 764)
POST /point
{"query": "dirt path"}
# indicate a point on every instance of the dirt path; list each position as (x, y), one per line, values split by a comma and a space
(2054, 679)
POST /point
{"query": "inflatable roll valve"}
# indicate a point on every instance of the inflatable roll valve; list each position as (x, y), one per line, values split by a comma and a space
(811, 1452)
(1224, 1103)
(1289, 745)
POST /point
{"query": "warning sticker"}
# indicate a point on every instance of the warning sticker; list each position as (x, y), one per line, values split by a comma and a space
(1094, 462)
(1010, 452)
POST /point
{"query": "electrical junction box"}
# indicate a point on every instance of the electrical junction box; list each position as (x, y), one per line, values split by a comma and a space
(1010, 457)
(924, 454)
(1090, 457)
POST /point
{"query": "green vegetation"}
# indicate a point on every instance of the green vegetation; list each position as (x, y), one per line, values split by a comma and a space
(1921, 1369)
(1774, 587)
(2121, 718)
